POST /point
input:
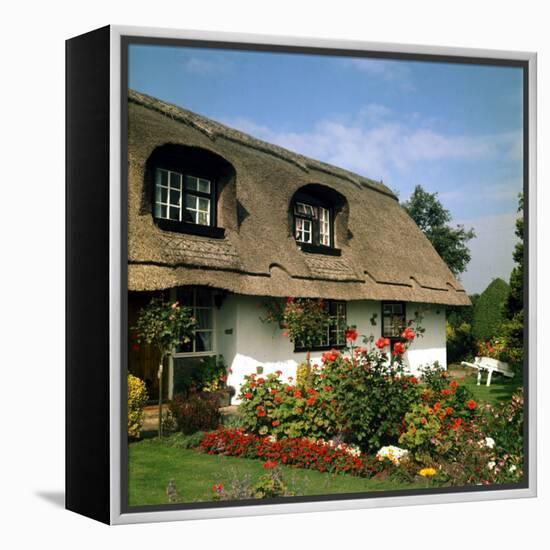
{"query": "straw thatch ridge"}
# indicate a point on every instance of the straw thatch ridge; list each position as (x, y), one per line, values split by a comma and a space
(384, 256)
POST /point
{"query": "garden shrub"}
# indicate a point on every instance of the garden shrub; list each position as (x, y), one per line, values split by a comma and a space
(199, 374)
(489, 310)
(303, 375)
(196, 411)
(429, 427)
(137, 399)
(361, 396)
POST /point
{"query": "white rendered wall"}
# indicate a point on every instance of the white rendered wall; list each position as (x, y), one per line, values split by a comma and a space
(253, 344)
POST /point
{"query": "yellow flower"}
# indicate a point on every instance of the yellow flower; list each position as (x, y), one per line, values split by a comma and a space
(427, 472)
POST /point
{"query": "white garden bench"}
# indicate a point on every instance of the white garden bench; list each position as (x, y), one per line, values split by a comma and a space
(490, 365)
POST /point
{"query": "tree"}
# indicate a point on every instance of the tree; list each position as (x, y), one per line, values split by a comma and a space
(489, 311)
(513, 308)
(433, 220)
(164, 325)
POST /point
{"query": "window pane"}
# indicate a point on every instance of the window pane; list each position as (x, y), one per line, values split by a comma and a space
(175, 180)
(204, 204)
(174, 197)
(203, 218)
(204, 318)
(204, 186)
(191, 183)
(164, 195)
(203, 341)
(163, 212)
(174, 213)
(162, 177)
(191, 201)
(190, 216)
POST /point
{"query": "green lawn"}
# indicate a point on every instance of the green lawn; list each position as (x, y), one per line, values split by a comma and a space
(500, 390)
(152, 465)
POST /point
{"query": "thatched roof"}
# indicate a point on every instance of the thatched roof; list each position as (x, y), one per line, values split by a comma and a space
(384, 256)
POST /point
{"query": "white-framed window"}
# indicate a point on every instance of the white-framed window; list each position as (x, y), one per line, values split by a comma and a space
(201, 302)
(183, 198)
(312, 224)
(304, 230)
(324, 226)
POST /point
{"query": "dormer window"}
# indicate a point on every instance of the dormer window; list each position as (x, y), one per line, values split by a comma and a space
(183, 198)
(189, 190)
(312, 224)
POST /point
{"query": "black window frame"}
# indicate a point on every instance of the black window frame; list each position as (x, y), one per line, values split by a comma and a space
(300, 349)
(399, 338)
(211, 230)
(315, 246)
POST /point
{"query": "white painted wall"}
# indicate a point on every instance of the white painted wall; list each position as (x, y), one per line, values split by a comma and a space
(253, 344)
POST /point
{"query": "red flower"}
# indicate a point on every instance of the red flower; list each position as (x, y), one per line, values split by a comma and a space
(297, 394)
(449, 410)
(311, 401)
(471, 404)
(261, 380)
(456, 424)
(381, 343)
(270, 464)
(311, 391)
(437, 406)
(330, 356)
(274, 391)
(278, 399)
(275, 423)
(351, 334)
(247, 395)
(279, 372)
(288, 389)
(398, 348)
(327, 388)
(217, 488)
(445, 391)
(413, 380)
(290, 300)
(408, 334)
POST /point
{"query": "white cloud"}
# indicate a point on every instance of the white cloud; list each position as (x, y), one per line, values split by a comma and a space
(375, 144)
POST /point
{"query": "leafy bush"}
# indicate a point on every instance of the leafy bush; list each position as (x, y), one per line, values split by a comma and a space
(488, 312)
(199, 374)
(303, 375)
(196, 411)
(270, 406)
(460, 342)
(361, 396)
(445, 407)
(137, 399)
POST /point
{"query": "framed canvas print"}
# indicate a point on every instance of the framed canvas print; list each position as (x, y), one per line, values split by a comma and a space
(300, 274)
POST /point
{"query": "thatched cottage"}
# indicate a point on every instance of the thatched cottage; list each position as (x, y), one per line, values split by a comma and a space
(225, 222)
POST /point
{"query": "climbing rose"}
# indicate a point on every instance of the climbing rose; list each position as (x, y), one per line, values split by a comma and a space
(408, 334)
(398, 348)
(381, 343)
(351, 334)
(330, 356)
(247, 395)
(413, 380)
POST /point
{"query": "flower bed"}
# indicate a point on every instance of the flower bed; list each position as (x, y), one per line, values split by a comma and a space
(320, 455)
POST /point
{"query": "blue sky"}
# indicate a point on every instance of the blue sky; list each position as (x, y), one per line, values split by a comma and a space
(452, 128)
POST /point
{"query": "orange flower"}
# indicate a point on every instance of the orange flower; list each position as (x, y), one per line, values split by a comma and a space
(381, 343)
(471, 404)
(408, 334)
(275, 423)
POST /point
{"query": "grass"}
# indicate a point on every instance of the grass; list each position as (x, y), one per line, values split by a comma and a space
(152, 464)
(500, 390)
